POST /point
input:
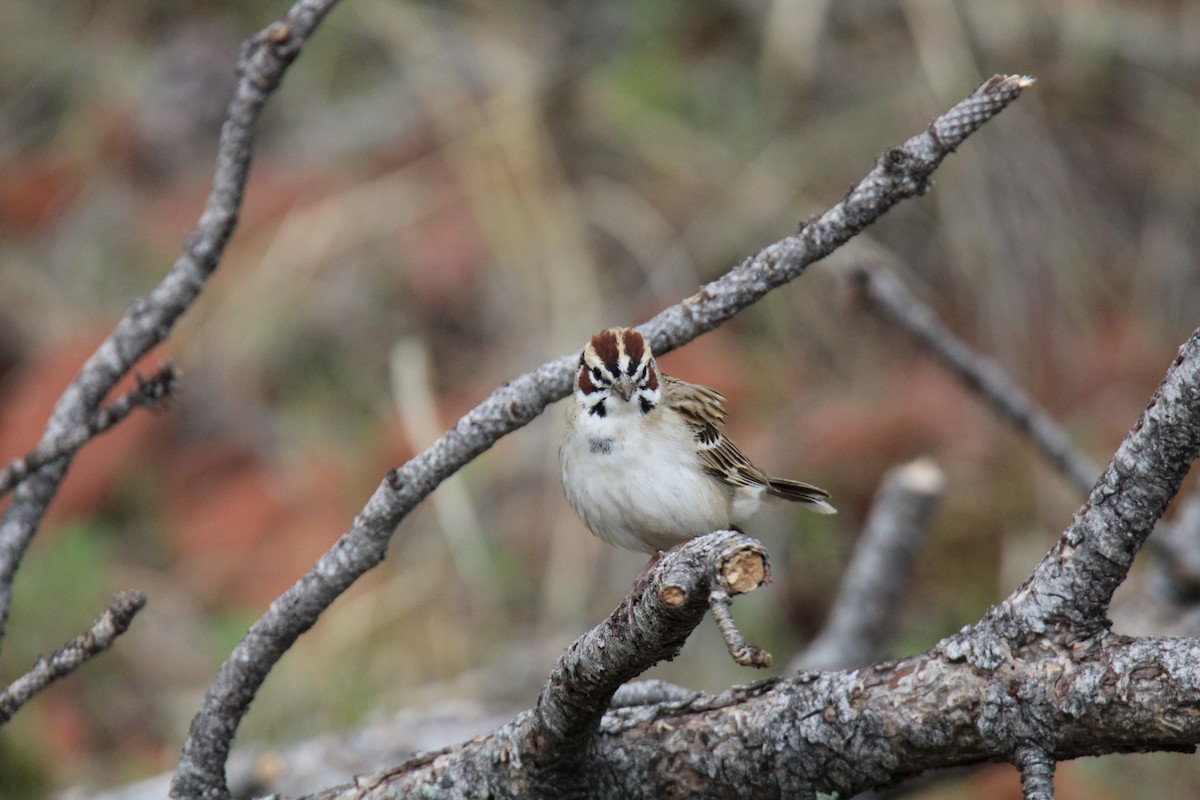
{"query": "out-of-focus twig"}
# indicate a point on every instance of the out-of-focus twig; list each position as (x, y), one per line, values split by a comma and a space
(1175, 580)
(650, 692)
(261, 65)
(153, 393)
(882, 292)
(879, 571)
(112, 623)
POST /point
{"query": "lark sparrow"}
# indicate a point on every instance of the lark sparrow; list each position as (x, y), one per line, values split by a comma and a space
(643, 462)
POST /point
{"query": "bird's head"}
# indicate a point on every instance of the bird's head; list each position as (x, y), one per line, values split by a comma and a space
(617, 375)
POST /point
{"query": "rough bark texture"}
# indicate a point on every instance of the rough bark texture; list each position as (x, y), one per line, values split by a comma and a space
(849, 731)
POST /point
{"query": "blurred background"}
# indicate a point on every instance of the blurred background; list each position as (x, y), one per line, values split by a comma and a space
(446, 195)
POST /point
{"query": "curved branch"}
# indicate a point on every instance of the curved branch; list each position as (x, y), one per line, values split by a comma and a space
(149, 321)
(1040, 667)
(899, 173)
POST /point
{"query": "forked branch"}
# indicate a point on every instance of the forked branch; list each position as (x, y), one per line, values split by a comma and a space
(153, 393)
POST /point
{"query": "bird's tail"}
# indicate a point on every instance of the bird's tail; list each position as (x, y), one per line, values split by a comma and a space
(811, 496)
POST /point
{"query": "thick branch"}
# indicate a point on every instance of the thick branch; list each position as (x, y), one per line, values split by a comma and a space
(846, 732)
(1073, 585)
(899, 173)
(881, 291)
(152, 392)
(104, 631)
(874, 582)
(546, 752)
(149, 321)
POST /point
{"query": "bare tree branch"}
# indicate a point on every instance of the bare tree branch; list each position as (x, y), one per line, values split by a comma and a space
(846, 732)
(875, 579)
(104, 631)
(885, 294)
(1037, 772)
(1074, 583)
(149, 321)
(152, 393)
(899, 173)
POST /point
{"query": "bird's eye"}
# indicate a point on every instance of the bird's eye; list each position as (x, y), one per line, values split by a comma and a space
(596, 374)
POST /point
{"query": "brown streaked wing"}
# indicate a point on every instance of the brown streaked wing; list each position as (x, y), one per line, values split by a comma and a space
(699, 405)
(702, 408)
(721, 459)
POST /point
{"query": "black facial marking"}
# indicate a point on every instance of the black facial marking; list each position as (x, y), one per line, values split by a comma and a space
(598, 409)
(647, 406)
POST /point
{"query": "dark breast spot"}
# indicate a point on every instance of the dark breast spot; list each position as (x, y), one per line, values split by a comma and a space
(602, 446)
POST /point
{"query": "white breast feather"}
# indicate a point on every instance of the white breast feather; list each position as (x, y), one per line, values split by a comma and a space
(637, 483)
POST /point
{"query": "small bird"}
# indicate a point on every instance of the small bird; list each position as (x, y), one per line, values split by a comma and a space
(643, 462)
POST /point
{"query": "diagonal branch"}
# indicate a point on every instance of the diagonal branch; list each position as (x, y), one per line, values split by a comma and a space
(885, 294)
(899, 173)
(152, 393)
(1175, 571)
(149, 321)
(104, 631)
(1073, 585)
(844, 732)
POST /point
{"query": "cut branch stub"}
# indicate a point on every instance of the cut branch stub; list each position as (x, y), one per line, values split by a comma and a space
(743, 569)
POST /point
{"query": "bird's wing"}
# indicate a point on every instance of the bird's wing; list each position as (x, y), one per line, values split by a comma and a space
(703, 410)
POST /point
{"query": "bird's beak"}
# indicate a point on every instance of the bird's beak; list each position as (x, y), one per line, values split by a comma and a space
(624, 387)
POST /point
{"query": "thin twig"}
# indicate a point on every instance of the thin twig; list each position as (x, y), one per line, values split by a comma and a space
(1037, 772)
(153, 393)
(744, 653)
(882, 563)
(899, 173)
(149, 321)
(104, 631)
(888, 296)
(650, 692)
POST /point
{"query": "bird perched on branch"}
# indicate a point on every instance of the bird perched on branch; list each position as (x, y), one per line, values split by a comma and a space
(644, 463)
